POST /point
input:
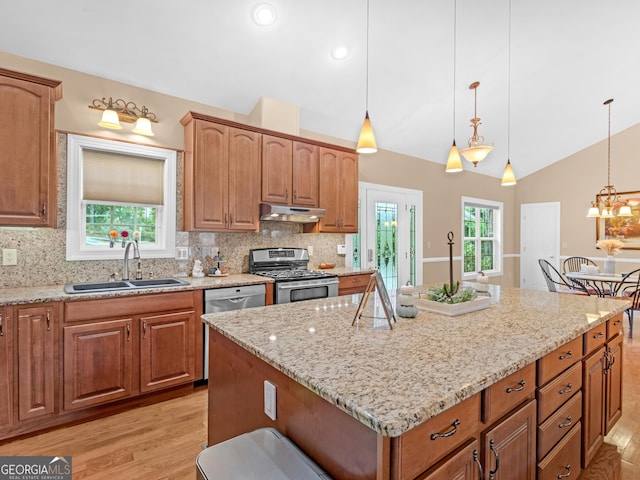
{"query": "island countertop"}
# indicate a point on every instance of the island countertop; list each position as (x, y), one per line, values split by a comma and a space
(395, 379)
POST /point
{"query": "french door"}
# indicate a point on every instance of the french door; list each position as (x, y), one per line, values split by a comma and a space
(390, 234)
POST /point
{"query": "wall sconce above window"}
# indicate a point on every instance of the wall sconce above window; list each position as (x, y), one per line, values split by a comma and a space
(116, 111)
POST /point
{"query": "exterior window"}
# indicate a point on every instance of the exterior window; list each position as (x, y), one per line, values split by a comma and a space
(482, 233)
(119, 192)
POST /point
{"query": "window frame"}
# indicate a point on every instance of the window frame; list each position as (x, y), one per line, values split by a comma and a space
(76, 248)
(498, 229)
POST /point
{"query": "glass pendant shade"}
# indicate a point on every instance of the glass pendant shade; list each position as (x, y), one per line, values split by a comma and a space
(143, 127)
(607, 213)
(625, 211)
(366, 140)
(454, 164)
(476, 154)
(110, 120)
(594, 212)
(508, 177)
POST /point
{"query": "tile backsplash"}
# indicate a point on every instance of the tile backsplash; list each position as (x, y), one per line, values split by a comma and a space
(42, 252)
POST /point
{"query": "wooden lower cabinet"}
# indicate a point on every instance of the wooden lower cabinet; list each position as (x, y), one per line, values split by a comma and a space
(613, 383)
(351, 284)
(167, 353)
(98, 363)
(6, 368)
(509, 447)
(36, 370)
(593, 404)
(463, 464)
(150, 343)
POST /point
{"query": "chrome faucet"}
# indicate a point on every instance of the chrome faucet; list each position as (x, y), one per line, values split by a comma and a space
(136, 256)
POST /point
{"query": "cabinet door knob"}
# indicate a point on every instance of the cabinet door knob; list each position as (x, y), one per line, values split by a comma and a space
(48, 321)
(144, 329)
(1, 327)
(44, 212)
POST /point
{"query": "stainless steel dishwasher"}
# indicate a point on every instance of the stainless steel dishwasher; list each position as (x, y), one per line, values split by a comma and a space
(225, 300)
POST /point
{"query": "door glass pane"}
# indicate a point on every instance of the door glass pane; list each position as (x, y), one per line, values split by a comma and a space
(412, 244)
(386, 243)
(356, 242)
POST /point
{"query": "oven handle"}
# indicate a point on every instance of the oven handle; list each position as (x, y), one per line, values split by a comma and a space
(291, 287)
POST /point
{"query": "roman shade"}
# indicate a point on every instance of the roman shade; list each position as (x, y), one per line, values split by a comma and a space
(121, 178)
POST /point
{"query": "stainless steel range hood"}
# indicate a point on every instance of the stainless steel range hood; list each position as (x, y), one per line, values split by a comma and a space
(284, 213)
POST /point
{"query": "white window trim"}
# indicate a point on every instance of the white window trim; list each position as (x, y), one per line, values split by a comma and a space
(499, 206)
(76, 218)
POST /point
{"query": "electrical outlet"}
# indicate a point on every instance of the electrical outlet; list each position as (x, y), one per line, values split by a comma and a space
(182, 253)
(310, 250)
(342, 249)
(270, 400)
(9, 256)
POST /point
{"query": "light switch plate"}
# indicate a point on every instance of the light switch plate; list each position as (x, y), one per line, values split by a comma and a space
(342, 249)
(270, 400)
(9, 256)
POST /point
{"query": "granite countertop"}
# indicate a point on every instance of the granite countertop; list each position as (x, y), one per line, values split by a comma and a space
(55, 293)
(394, 380)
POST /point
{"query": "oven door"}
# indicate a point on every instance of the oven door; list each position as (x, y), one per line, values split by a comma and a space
(299, 290)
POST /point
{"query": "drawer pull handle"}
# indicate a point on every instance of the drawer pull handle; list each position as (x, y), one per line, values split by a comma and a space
(492, 473)
(477, 460)
(567, 356)
(565, 475)
(568, 424)
(598, 335)
(454, 429)
(566, 390)
(1, 329)
(617, 322)
(516, 389)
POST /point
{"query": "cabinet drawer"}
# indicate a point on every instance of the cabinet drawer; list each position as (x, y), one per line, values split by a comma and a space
(558, 424)
(558, 391)
(508, 393)
(350, 284)
(559, 360)
(564, 460)
(595, 338)
(614, 326)
(420, 448)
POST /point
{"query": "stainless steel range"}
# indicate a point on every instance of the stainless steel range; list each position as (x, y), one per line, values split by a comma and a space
(294, 282)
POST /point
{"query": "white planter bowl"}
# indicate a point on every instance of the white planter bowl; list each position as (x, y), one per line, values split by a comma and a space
(453, 309)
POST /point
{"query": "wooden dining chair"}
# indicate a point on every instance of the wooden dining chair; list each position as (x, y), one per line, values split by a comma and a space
(633, 293)
(557, 283)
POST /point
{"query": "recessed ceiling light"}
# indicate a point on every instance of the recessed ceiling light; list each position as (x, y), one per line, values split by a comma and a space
(264, 14)
(340, 52)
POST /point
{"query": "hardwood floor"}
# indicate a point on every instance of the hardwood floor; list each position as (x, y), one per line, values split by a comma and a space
(162, 441)
(155, 442)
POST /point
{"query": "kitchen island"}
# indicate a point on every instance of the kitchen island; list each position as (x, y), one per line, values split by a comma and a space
(350, 396)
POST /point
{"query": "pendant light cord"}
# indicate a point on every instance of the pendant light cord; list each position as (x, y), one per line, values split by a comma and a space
(367, 62)
(609, 146)
(455, 22)
(509, 93)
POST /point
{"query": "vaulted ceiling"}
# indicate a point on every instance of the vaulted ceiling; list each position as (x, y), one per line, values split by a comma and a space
(567, 57)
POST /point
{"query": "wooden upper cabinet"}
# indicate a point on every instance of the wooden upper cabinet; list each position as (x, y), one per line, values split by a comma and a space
(221, 176)
(338, 191)
(305, 174)
(277, 158)
(289, 172)
(27, 157)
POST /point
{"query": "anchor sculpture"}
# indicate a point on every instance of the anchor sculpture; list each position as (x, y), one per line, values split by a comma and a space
(450, 290)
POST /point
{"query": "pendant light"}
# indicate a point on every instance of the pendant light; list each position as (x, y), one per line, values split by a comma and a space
(476, 151)
(607, 200)
(366, 140)
(454, 164)
(508, 177)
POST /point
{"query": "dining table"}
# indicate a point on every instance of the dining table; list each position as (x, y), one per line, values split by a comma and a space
(603, 284)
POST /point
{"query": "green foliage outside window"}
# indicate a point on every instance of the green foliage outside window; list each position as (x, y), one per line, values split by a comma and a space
(479, 242)
(101, 219)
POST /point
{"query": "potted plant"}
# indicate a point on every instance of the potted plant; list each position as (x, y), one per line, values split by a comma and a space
(612, 246)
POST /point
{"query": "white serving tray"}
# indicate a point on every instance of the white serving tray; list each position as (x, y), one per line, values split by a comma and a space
(453, 309)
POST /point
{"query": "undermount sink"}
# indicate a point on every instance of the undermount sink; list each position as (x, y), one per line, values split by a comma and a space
(123, 285)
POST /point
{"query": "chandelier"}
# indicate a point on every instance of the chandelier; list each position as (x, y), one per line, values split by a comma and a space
(607, 201)
(476, 152)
